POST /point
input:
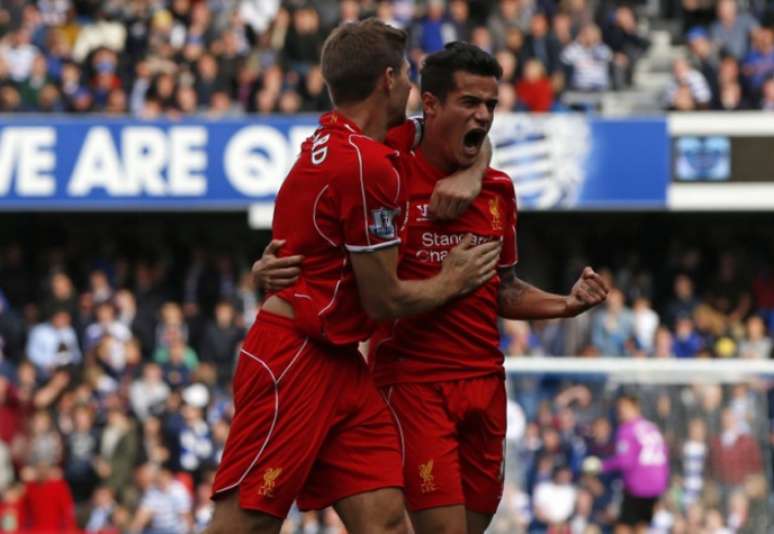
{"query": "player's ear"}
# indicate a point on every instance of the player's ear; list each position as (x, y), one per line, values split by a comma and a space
(430, 104)
(390, 79)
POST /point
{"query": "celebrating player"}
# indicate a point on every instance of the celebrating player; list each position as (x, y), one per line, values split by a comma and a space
(442, 372)
(309, 423)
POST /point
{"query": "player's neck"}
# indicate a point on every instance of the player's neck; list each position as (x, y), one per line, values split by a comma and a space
(432, 151)
(370, 117)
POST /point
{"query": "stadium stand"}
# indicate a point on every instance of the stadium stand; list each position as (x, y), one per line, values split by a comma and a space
(153, 58)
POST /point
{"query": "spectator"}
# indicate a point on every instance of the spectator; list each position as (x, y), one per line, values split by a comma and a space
(172, 325)
(117, 452)
(687, 83)
(731, 98)
(47, 503)
(734, 454)
(103, 506)
(459, 15)
(54, 343)
(731, 32)
(555, 499)
(613, 326)
(196, 445)
(19, 54)
(541, 45)
(510, 15)
(703, 55)
(645, 324)
(758, 65)
(62, 295)
(178, 362)
(627, 45)
(81, 446)
(729, 292)
(7, 476)
(687, 342)
(663, 343)
(694, 456)
(589, 60)
(535, 91)
(11, 336)
(165, 505)
(221, 338)
(304, 40)
(767, 97)
(756, 345)
(148, 394)
(430, 33)
(684, 302)
(106, 324)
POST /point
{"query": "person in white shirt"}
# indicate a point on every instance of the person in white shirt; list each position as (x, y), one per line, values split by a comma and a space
(554, 500)
(54, 343)
(590, 60)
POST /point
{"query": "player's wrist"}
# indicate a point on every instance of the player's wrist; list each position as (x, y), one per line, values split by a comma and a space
(571, 307)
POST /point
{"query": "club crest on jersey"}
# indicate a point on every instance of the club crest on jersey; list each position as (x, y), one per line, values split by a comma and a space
(428, 480)
(495, 212)
(269, 481)
(383, 223)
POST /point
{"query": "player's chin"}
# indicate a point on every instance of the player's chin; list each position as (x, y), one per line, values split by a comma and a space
(467, 155)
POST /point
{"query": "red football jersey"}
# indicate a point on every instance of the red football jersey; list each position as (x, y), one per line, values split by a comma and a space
(343, 195)
(461, 339)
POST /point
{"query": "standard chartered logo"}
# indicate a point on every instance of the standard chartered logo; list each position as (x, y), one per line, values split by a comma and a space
(435, 246)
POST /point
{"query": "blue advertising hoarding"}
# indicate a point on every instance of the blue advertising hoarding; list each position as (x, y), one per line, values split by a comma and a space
(62, 163)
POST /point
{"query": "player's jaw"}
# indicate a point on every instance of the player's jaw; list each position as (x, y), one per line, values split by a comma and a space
(398, 96)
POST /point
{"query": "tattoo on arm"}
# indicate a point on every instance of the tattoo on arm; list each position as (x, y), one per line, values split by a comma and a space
(511, 289)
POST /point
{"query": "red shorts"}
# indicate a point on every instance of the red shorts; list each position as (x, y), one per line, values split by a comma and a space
(309, 424)
(454, 436)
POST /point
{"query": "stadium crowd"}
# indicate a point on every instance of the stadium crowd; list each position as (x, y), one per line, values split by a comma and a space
(154, 58)
(115, 399)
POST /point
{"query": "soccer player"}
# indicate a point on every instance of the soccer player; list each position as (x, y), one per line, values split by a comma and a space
(642, 458)
(309, 423)
(442, 372)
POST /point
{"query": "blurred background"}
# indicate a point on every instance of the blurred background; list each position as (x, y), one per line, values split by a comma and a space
(142, 143)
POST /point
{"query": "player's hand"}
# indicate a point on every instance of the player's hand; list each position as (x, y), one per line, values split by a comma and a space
(272, 273)
(453, 195)
(591, 466)
(467, 267)
(589, 291)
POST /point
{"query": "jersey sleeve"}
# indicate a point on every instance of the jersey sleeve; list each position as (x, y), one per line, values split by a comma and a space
(406, 136)
(510, 253)
(369, 201)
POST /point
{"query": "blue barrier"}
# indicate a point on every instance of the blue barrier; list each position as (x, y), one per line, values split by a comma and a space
(63, 163)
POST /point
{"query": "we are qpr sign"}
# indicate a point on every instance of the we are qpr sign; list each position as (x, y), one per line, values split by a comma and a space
(98, 163)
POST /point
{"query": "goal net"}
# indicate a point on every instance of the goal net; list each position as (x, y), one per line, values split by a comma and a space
(714, 414)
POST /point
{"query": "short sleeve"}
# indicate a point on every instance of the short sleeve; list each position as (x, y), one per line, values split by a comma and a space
(407, 136)
(510, 253)
(369, 199)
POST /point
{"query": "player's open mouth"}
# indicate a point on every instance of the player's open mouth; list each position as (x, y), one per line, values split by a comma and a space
(473, 139)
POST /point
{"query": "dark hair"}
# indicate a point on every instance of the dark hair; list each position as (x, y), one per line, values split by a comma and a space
(631, 398)
(356, 54)
(439, 68)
